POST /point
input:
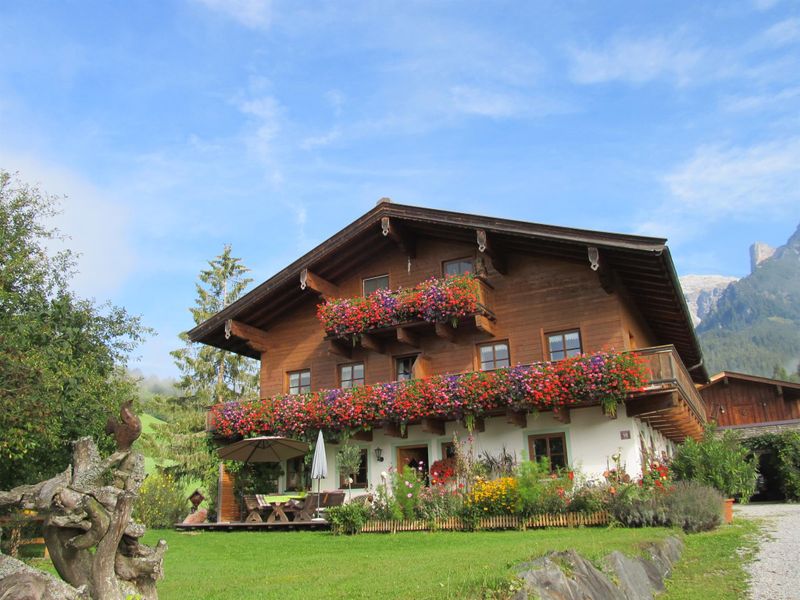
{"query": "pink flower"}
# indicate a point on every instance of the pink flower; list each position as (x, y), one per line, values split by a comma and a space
(409, 494)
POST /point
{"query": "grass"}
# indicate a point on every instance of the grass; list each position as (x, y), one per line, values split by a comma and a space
(305, 565)
(712, 565)
(287, 565)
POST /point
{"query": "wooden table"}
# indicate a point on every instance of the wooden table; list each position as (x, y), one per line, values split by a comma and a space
(281, 511)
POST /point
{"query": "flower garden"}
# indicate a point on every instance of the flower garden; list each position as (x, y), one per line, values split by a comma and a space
(605, 377)
(468, 493)
(435, 300)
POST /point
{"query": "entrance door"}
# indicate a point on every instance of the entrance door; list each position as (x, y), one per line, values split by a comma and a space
(414, 457)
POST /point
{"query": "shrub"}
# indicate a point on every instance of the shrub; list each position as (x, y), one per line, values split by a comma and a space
(348, 518)
(384, 505)
(719, 461)
(693, 506)
(689, 505)
(782, 460)
(634, 506)
(540, 491)
(406, 485)
(437, 502)
(588, 500)
(161, 502)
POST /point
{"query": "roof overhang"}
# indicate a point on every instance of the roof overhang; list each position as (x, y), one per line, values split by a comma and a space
(642, 264)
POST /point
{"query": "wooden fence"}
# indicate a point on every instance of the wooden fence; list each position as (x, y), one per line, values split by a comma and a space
(487, 523)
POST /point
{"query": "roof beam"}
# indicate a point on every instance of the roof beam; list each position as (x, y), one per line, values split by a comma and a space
(256, 338)
(487, 247)
(402, 238)
(322, 286)
(445, 331)
(408, 337)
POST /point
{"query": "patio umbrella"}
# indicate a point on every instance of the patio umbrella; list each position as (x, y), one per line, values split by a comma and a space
(263, 449)
(319, 466)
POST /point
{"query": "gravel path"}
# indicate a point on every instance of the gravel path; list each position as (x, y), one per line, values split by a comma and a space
(774, 573)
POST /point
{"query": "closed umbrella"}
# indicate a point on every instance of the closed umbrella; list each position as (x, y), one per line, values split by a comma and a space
(319, 466)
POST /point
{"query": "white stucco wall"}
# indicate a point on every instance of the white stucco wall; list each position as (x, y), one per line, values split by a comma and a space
(591, 437)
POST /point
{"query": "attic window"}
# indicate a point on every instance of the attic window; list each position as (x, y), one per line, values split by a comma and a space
(373, 284)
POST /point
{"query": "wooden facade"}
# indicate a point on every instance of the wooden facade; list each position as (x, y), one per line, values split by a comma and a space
(619, 292)
(736, 400)
(540, 295)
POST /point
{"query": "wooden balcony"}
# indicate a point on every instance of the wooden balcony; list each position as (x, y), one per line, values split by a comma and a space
(410, 333)
(670, 402)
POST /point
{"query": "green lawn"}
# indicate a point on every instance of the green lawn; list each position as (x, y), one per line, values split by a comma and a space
(305, 565)
(711, 567)
(406, 565)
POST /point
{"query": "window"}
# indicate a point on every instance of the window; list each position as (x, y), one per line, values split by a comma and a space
(564, 344)
(494, 356)
(296, 474)
(351, 376)
(448, 450)
(404, 367)
(552, 446)
(300, 381)
(360, 479)
(459, 266)
(373, 284)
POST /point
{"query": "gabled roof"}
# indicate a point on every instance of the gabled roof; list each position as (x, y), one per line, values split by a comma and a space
(790, 387)
(642, 264)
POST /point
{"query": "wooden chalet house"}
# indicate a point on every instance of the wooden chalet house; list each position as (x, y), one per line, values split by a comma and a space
(752, 405)
(545, 294)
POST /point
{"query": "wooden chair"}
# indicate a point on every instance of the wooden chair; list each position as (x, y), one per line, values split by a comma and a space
(253, 509)
(327, 500)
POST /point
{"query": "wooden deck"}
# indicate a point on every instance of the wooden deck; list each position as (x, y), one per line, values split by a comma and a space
(240, 526)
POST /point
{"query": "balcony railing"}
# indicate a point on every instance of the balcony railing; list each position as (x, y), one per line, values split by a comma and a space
(668, 372)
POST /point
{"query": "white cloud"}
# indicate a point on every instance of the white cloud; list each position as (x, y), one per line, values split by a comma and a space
(265, 114)
(96, 224)
(755, 102)
(636, 60)
(782, 33)
(255, 14)
(319, 141)
(734, 181)
(485, 103)
(765, 4)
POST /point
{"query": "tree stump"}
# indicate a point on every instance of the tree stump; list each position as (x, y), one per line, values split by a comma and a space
(90, 535)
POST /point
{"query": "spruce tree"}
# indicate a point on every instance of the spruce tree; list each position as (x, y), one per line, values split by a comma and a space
(208, 376)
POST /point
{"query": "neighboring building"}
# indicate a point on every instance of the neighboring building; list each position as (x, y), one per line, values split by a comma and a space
(549, 292)
(752, 405)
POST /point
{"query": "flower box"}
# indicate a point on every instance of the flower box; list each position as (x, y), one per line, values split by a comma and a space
(443, 300)
(604, 378)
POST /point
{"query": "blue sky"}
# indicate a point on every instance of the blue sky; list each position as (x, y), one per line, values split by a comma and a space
(175, 127)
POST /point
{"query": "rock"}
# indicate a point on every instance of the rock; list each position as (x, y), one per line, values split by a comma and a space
(569, 576)
(197, 517)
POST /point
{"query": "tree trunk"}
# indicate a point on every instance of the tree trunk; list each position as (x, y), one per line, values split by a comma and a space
(91, 538)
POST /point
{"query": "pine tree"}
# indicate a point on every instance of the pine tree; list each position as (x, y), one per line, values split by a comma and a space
(209, 374)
